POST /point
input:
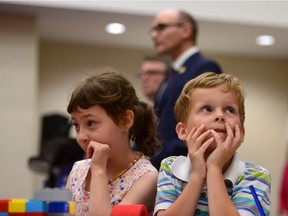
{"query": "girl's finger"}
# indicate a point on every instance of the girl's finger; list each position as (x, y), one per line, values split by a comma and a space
(90, 151)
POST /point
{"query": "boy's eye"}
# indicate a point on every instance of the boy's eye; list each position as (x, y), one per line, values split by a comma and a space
(230, 110)
(206, 109)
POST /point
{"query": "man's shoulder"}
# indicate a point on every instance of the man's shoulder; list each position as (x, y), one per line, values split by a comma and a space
(201, 59)
(200, 63)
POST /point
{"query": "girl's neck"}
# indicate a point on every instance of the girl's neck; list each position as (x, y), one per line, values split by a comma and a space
(115, 168)
(120, 165)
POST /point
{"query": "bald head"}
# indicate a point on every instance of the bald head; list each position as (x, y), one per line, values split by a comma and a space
(173, 31)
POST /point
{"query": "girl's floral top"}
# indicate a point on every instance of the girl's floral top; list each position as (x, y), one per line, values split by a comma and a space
(117, 189)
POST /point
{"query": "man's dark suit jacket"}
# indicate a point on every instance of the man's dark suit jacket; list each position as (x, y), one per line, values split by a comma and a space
(171, 145)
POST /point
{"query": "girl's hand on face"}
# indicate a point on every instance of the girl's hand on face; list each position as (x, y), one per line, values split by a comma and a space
(197, 143)
(99, 154)
(225, 150)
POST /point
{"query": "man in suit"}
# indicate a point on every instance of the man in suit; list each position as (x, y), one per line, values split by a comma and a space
(174, 33)
(154, 72)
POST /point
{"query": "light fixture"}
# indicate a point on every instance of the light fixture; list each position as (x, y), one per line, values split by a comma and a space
(265, 40)
(115, 28)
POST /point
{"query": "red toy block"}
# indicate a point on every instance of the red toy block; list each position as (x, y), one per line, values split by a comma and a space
(4, 205)
(129, 210)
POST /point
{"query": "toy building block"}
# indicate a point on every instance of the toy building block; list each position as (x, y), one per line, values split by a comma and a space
(72, 207)
(4, 205)
(53, 194)
(36, 206)
(129, 210)
(17, 205)
(46, 202)
(61, 208)
(28, 214)
(58, 207)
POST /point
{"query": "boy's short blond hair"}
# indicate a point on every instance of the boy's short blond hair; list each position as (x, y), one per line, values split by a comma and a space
(208, 80)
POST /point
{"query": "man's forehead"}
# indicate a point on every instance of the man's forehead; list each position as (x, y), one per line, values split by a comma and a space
(168, 15)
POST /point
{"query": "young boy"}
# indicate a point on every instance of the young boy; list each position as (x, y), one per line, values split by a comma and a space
(211, 180)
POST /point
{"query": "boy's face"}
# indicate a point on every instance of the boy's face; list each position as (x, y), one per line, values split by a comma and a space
(213, 107)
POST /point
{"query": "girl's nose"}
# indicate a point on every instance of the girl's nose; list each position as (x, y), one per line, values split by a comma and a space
(82, 137)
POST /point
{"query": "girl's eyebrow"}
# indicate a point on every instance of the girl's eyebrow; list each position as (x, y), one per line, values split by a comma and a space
(88, 115)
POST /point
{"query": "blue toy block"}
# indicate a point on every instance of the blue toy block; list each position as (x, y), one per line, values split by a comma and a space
(4, 214)
(36, 206)
(58, 207)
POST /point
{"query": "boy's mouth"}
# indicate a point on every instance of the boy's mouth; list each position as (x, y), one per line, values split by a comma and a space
(219, 130)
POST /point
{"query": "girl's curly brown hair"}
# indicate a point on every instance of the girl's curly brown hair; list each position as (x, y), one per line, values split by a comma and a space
(115, 95)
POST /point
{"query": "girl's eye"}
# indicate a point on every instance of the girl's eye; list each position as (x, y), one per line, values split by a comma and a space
(206, 109)
(230, 110)
(75, 125)
(91, 123)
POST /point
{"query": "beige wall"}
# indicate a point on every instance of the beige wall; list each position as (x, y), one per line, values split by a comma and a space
(63, 64)
(18, 104)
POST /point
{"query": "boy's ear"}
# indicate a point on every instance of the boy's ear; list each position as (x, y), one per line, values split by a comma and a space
(128, 119)
(181, 131)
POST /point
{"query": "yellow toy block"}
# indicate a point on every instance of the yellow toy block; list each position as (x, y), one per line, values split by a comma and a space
(71, 207)
(17, 205)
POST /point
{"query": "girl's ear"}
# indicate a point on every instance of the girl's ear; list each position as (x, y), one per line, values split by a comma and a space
(128, 119)
(181, 131)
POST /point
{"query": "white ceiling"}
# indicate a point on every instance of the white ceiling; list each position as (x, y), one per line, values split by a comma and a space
(226, 27)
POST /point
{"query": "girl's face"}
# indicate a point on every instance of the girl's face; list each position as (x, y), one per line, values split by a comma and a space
(93, 124)
(213, 107)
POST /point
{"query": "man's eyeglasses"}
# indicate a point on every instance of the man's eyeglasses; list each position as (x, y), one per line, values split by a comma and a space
(162, 26)
(151, 73)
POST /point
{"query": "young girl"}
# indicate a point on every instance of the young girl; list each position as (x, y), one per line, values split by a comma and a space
(107, 115)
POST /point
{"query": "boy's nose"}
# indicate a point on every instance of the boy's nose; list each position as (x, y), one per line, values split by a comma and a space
(219, 119)
(219, 116)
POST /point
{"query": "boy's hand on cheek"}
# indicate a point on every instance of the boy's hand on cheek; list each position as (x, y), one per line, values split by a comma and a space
(197, 143)
(225, 150)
